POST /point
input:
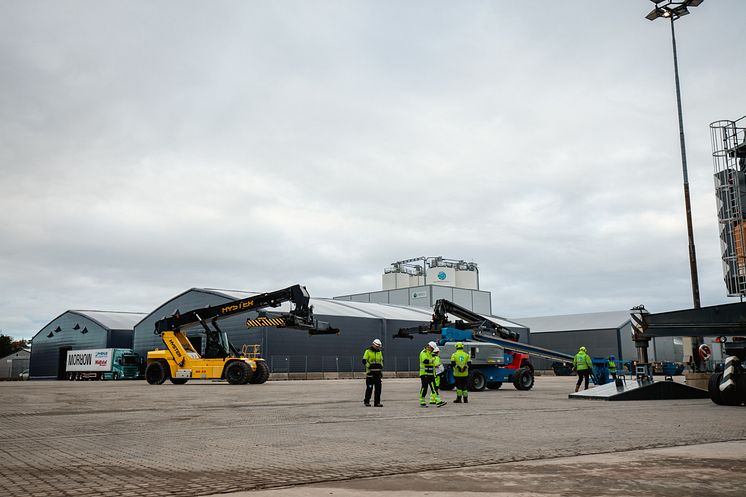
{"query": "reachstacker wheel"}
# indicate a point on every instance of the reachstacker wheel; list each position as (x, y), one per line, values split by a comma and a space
(731, 397)
(261, 374)
(238, 373)
(155, 373)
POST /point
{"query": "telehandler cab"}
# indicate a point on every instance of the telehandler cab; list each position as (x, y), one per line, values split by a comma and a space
(180, 362)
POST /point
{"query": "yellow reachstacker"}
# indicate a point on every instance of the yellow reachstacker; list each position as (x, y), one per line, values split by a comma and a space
(180, 362)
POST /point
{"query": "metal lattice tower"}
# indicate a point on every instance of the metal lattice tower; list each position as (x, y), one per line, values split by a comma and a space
(729, 158)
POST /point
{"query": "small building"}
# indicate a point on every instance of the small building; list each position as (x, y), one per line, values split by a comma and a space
(76, 330)
(11, 366)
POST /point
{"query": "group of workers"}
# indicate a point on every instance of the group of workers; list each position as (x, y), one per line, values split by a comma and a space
(432, 369)
(431, 372)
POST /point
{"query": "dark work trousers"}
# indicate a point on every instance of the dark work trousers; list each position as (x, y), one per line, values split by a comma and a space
(583, 373)
(462, 384)
(373, 381)
(427, 381)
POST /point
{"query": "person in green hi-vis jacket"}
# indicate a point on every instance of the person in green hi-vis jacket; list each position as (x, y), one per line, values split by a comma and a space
(460, 363)
(583, 365)
(373, 361)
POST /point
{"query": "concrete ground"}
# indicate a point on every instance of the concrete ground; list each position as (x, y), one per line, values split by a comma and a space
(316, 438)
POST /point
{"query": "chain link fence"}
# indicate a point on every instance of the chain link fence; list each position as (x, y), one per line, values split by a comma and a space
(336, 364)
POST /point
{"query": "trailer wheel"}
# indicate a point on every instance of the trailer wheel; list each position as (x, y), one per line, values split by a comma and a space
(179, 381)
(115, 376)
(476, 381)
(237, 373)
(155, 373)
(261, 374)
(71, 376)
(494, 385)
(523, 379)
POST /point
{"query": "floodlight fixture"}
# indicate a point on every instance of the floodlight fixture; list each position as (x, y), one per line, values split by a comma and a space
(672, 9)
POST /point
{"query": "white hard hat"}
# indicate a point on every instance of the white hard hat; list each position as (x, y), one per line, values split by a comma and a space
(436, 349)
(377, 342)
(432, 345)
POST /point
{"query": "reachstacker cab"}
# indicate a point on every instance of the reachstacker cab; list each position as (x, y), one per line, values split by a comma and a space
(180, 362)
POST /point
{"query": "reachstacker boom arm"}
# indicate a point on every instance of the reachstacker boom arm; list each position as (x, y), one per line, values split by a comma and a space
(181, 361)
(300, 317)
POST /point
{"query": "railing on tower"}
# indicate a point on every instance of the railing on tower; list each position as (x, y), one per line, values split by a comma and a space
(729, 158)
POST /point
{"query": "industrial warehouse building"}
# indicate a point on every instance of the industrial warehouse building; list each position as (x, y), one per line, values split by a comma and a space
(290, 350)
(602, 333)
(75, 330)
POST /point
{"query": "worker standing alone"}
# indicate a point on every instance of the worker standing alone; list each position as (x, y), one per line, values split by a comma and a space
(612, 367)
(373, 361)
(427, 374)
(460, 363)
(582, 364)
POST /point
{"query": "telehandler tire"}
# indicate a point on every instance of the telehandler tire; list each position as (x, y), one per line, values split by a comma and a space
(476, 381)
(261, 374)
(494, 385)
(523, 379)
(238, 373)
(155, 373)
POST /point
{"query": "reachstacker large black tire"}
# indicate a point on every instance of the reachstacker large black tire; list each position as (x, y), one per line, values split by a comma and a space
(261, 374)
(523, 379)
(730, 397)
(238, 373)
(476, 381)
(155, 373)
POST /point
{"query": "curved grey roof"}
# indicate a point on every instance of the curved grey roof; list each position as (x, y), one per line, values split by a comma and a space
(347, 308)
(112, 320)
(576, 322)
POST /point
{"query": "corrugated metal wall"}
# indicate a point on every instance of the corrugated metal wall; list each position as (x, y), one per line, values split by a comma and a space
(600, 343)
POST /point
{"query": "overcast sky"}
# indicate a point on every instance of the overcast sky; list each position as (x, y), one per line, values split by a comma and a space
(147, 147)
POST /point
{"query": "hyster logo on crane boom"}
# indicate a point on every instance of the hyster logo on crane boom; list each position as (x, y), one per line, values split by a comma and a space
(237, 307)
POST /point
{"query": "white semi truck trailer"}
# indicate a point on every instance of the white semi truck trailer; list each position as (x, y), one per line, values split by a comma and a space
(103, 364)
